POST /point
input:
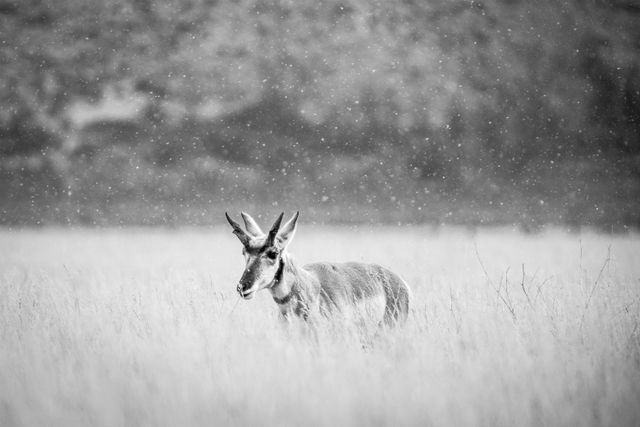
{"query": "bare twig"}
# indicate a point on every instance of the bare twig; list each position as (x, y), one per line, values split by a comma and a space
(504, 301)
(533, 278)
(595, 285)
(524, 288)
(581, 269)
(506, 283)
(539, 288)
(475, 246)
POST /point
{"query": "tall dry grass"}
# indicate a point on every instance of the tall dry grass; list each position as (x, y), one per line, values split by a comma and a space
(142, 327)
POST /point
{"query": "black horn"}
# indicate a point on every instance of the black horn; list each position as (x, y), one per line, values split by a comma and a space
(274, 230)
(238, 231)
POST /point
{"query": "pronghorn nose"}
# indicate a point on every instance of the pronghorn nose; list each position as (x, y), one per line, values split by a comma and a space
(239, 289)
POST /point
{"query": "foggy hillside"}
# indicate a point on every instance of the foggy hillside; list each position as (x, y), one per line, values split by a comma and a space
(443, 111)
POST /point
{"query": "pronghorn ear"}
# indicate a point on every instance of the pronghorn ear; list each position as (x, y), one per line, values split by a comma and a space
(251, 225)
(287, 231)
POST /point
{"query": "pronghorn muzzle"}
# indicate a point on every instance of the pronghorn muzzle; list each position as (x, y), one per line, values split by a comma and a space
(243, 292)
(246, 287)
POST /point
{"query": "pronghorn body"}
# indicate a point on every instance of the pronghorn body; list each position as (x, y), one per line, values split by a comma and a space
(318, 289)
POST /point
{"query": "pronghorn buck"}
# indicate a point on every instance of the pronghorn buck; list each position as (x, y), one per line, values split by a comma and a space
(323, 288)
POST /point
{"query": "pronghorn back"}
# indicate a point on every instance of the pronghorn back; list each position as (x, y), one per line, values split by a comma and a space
(342, 285)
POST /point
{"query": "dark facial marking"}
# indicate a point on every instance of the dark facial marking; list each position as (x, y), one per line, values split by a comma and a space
(270, 251)
(272, 254)
(249, 276)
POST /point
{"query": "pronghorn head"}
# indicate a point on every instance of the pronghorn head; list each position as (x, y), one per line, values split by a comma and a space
(262, 252)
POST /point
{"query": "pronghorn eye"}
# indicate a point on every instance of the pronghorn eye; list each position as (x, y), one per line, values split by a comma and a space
(272, 254)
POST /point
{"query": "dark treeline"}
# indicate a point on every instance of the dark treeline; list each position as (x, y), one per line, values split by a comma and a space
(458, 111)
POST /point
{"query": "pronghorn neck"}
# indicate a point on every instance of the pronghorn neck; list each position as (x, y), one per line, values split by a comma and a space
(286, 286)
(277, 279)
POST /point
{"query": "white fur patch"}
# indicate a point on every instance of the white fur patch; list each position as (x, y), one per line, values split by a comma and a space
(367, 311)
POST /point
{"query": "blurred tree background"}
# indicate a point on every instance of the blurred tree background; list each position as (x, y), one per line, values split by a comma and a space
(169, 112)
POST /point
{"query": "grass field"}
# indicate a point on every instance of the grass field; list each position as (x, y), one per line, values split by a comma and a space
(143, 327)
